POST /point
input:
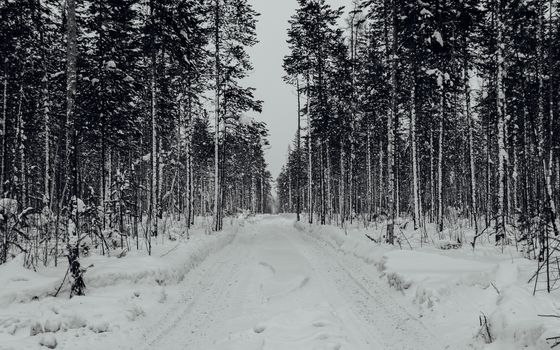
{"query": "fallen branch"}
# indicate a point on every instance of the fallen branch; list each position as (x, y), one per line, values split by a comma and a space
(63, 280)
(496, 288)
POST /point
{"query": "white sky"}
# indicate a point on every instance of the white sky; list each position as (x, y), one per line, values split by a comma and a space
(280, 102)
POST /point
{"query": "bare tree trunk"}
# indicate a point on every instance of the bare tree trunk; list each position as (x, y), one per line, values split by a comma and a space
(329, 189)
(322, 181)
(19, 150)
(298, 154)
(217, 116)
(390, 131)
(71, 141)
(47, 136)
(470, 122)
(440, 160)
(500, 108)
(416, 190)
(369, 182)
(3, 150)
(342, 184)
(153, 157)
(432, 179)
(188, 151)
(380, 182)
(71, 51)
(550, 165)
(288, 169)
(253, 193)
(310, 156)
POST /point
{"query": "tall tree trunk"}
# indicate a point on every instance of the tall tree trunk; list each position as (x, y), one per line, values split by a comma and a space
(71, 141)
(342, 184)
(329, 188)
(432, 175)
(70, 129)
(4, 256)
(380, 182)
(369, 182)
(309, 156)
(501, 110)
(470, 123)
(4, 122)
(47, 141)
(298, 153)
(550, 148)
(440, 160)
(154, 123)
(290, 173)
(19, 149)
(390, 131)
(415, 186)
(217, 116)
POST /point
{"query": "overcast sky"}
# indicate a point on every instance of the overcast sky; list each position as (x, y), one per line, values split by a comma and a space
(280, 101)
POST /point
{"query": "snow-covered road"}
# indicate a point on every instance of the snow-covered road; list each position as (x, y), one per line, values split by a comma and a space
(276, 288)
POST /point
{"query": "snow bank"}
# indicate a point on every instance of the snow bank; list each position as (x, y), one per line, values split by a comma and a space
(453, 289)
(355, 244)
(22, 285)
(119, 291)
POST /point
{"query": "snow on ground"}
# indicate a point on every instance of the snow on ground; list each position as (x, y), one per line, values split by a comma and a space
(274, 285)
(451, 290)
(120, 291)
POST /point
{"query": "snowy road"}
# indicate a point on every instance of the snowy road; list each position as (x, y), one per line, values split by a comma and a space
(275, 288)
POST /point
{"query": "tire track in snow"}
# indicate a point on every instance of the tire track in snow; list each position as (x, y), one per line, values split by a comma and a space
(203, 291)
(359, 286)
(191, 322)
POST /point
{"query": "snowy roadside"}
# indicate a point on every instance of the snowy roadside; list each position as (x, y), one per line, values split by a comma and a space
(454, 290)
(119, 292)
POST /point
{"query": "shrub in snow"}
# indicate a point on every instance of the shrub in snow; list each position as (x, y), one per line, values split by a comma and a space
(516, 319)
(398, 282)
(48, 340)
(52, 325)
(426, 297)
(36, 328)
(135, 312)
(76, 272)
(12, 328)
(74, 321)
(447, 245)
(99, 326)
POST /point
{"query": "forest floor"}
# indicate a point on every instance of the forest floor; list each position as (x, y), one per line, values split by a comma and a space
(271, 284)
